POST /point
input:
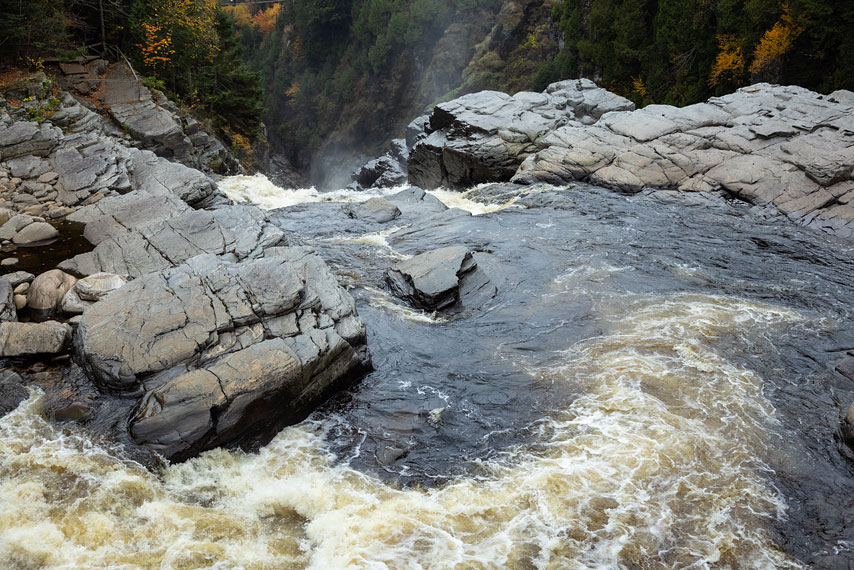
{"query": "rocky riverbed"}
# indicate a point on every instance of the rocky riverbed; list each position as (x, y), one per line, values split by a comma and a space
(563, 375)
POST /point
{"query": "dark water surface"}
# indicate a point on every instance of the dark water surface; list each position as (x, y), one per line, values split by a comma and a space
(562, 273)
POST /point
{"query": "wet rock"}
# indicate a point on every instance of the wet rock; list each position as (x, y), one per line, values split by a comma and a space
(48, 289)
(431, 280)
(30, 339)
(416, 202)
(9, 261)
(377, 210)
(383, 172)
(846, 366)
(485, 136)
(35, 233)
(847, 430)
(284, 174)
(12, 391)
(8, 311)
(73, 412)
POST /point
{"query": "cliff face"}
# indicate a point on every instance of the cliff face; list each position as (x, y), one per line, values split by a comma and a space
(335, 102)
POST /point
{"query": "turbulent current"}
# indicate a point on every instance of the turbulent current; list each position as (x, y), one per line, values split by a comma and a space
(651, 387)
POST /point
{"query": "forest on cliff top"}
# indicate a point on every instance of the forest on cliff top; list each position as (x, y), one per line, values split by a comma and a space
(349, 74)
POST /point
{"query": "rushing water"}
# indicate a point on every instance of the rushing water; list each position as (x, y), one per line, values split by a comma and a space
(651, 387)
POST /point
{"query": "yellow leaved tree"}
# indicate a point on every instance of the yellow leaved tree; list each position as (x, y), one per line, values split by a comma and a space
(728, 70)
(180, 28)
(767, 62)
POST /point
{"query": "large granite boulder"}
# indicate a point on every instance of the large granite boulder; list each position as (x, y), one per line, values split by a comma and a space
(31, 339)
(223, 351)
(765, 144)
(45, 294)
(485, 136)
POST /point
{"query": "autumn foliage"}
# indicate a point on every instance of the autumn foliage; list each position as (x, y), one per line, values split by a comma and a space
(775, 44)
(729, 64)
(265, 20)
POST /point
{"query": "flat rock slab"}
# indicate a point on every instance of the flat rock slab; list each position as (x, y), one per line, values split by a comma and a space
(31, 339)
(377, 210)
(431, 280)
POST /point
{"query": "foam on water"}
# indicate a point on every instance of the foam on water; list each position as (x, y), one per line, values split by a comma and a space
(259, 190)
(377, 239)
(454, 199)
(658, 464)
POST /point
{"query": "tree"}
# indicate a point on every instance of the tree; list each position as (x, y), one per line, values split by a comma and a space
(728, 70)
(775, 44)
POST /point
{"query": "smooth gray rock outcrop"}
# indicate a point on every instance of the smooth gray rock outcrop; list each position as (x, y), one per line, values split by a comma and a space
(30, 339)
(223, 349)
(132, 240)
(764, 144)
(431, 280)
(485, 136)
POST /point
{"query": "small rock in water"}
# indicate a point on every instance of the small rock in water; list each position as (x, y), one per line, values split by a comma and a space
(9, 261)
(388, 454)
(377, 210)
(73, 412)
(431, 280)
(435, 417)
(34, 233)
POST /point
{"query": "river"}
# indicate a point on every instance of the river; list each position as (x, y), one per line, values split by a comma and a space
(652, 386)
